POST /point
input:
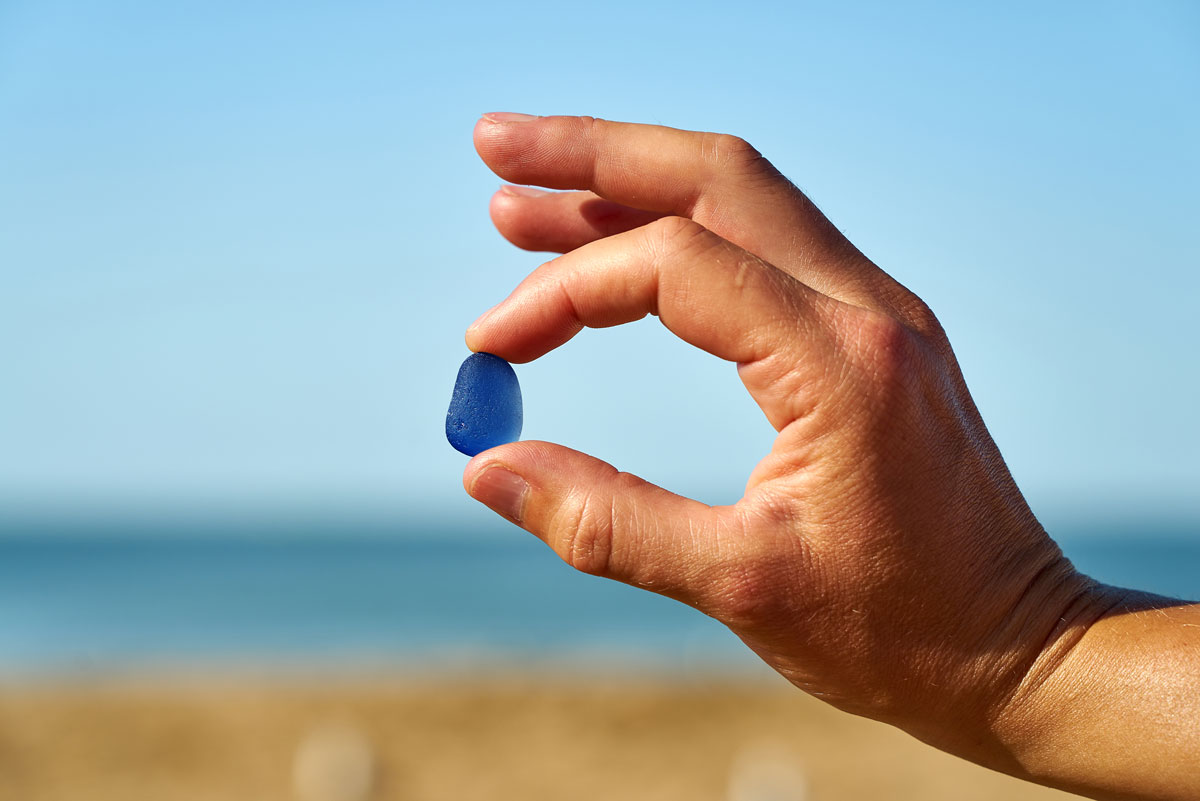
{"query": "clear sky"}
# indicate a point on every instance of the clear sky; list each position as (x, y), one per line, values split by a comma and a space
(239, 242)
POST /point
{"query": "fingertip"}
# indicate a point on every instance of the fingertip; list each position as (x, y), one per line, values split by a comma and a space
(498, 124)
(503, 207)
(528, 458)
(504, 478)
(521, 218)
(518, 192)
(479, 463)
(486, 131)
(474, 333)
(508, 116)
(480, 132)
(471, 339)
(519, 330)
(498, 488)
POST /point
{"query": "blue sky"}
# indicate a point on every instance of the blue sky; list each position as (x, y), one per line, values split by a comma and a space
(239, 243)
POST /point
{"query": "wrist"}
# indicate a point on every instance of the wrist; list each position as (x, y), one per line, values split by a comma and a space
(1036, 705)
(1113, 712)
(1011, 701)
(993, 701)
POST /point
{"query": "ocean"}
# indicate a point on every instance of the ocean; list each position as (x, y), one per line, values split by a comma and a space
(80, 600)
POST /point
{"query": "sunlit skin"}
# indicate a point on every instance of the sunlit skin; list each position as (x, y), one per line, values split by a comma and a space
(881, 558)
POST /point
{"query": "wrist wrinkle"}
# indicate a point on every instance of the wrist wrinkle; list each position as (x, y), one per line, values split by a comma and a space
(1024, 719)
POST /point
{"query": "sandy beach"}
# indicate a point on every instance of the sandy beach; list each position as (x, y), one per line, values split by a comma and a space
(438, 739)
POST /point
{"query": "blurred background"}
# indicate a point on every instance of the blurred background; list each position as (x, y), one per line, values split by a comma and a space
(239, 246)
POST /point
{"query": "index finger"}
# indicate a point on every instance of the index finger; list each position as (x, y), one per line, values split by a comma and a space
(706, 291)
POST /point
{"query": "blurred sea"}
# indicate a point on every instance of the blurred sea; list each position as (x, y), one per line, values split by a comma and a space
(76, 600)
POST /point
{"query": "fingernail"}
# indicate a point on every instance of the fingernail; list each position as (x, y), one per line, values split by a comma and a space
(508, 116)
(502, 491)
(523, 191)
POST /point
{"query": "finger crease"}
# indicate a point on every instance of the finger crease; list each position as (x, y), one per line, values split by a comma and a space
(569, 302)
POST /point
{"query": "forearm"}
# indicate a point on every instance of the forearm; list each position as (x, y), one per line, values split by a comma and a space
(1113, 711)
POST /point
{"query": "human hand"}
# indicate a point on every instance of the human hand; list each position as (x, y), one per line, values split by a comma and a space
(882, 558)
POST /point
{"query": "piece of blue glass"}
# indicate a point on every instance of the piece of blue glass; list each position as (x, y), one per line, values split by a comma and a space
(485, 409)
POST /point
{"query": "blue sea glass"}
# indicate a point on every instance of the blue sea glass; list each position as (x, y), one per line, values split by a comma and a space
(485, 409)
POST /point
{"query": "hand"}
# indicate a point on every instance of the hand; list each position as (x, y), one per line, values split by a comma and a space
(881, 559)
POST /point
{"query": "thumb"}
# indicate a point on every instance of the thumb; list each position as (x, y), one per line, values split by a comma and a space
(598, 519)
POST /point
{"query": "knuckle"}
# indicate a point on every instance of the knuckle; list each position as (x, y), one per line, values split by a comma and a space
(897, 372)
(923, 320)
(671, 229)
(590, 130)
(585, 526)
(673, 235)
(742, 599)
(754, 585)
(754, 590)
(885, 346)
(725, 152)
(589, 126)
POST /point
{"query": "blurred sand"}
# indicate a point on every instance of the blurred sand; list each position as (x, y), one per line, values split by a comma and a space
(458, 739)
